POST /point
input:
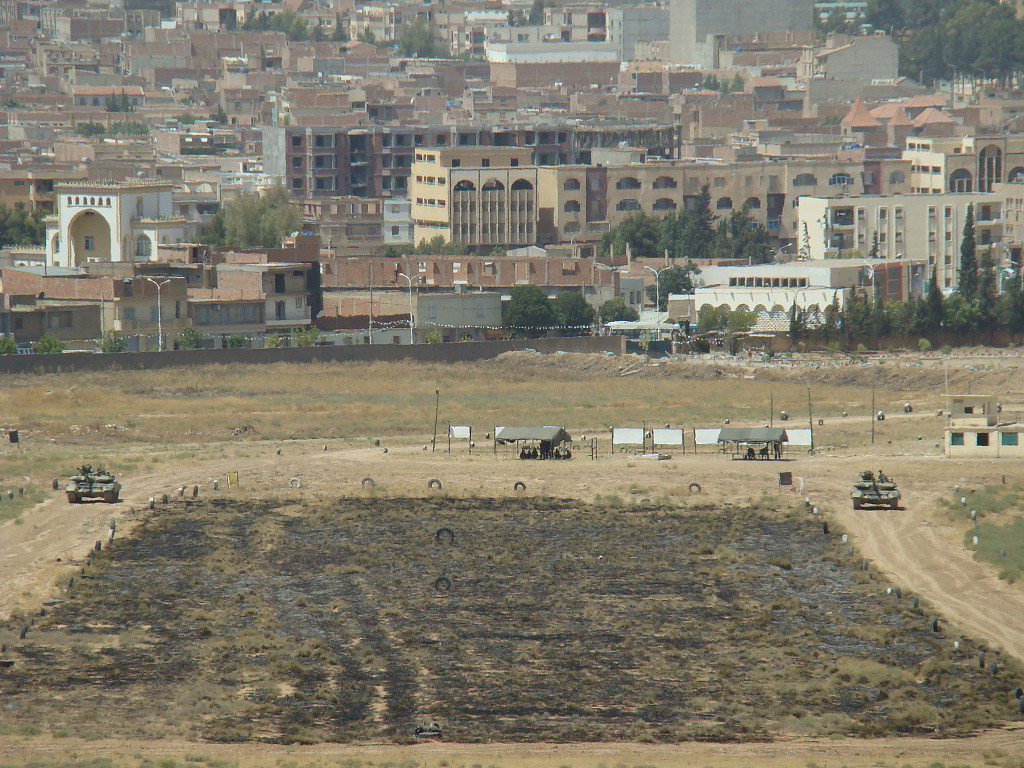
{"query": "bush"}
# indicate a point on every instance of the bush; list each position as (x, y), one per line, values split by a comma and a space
(190, 338)
(235, 341)
(273, 341)
(8, 346)
(924, 345)
(113, 342)
(434, 337)
(861, 349)
(48, 344)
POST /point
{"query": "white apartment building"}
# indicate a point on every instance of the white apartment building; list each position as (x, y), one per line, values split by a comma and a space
(922, 228)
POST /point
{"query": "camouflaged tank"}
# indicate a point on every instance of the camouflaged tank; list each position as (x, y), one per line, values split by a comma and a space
(871, 491)
(89, 484)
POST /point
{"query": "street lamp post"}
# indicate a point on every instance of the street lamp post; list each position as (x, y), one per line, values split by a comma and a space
(159, 311)
(657, 285)
(412, 338)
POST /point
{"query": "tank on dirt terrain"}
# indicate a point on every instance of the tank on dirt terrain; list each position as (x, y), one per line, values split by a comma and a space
(89, 484)
(871, 491)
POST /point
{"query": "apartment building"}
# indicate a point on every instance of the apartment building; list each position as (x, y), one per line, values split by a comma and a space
(481, 197)
(579, 203)
(921, 228)
(964, 163)
(375, 161)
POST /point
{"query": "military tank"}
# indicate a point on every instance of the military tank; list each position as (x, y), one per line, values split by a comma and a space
(871, 491)
(89, 484)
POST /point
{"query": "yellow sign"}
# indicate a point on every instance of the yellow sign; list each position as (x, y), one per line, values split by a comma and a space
(232, 478)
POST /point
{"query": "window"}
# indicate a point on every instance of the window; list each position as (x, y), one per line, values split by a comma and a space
(90, 243)
(956, 438)
(279, 310)
(1009, 438)
(571, 206)
(485, 162)
(571, 184)
(395, 230)
(982, 438)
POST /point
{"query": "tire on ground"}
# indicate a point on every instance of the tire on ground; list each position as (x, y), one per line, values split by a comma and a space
(442, 584)
(519, 485)
(694, 488)
(434, 483)
(444, 533)
(368, 482)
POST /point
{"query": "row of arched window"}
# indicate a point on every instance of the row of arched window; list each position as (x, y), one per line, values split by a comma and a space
(492, 185)
(99, 201)
(663, 204)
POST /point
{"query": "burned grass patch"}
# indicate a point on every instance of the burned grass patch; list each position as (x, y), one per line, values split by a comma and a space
(561, 621)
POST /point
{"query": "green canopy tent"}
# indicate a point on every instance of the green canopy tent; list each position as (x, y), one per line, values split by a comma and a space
(753, 442)
(547, 438)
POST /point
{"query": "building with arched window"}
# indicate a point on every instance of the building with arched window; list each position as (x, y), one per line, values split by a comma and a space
(99, 222)
(482, 197)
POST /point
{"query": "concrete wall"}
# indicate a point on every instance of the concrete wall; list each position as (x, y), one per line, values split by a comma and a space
(447, 353)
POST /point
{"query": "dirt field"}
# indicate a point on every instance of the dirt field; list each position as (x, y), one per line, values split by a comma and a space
(918, 547)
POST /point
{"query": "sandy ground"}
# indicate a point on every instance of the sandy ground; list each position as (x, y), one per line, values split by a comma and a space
(913, 546)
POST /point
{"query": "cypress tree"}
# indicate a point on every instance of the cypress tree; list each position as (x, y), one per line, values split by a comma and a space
(934, 312)
(968, 283)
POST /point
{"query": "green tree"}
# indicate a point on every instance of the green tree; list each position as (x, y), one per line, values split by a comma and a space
(986, 292)
(961, 315)
(530, 312)
(417, 39)
(855, 320)
(8, 346)
(190, 338)
(1010, 307)
(724, 319)
(935, 314)
(48, 344)
(287, 21)
(877, 318)
(235, 341)
(536, 13)
(574, 313)
(617, 309)
(702, 230)
(676, 280)
(797, 323)
(305, 337)
(968, 285)
(273, 341)
(639, 230)
(433, 337)
(19, 227)
(113, 341)
(254, 222)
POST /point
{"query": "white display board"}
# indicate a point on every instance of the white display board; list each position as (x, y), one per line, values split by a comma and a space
(627, 436)
(799, 437)
(668, 437)
(458, 433)
(706, 436)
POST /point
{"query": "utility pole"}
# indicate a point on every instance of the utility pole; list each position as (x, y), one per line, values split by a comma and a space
(771, 408)
(810, 418)
(159, 312)
(872, 416)
(437, 406)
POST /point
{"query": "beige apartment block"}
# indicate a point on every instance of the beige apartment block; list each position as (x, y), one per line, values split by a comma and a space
(964, 163)
(483, 197)
(920, 228)
(579, 203)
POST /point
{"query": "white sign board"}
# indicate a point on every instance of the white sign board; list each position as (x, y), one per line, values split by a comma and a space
(458, 433)
(668, 437)
(798, 437)
(627, 436)
(706, 436)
